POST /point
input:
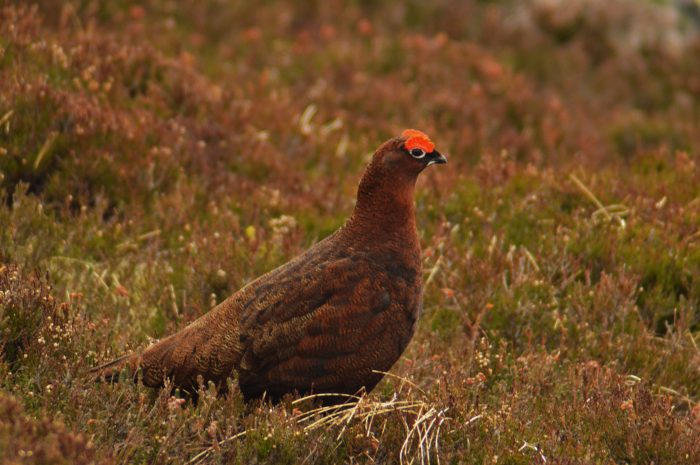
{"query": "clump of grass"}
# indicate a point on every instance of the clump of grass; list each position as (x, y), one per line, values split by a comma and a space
(26, 308)
(422, 421)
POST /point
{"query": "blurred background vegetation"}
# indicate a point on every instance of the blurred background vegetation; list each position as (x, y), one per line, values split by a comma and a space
(157, 155)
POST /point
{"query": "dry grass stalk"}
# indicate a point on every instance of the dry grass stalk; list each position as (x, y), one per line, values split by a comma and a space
(422, 428)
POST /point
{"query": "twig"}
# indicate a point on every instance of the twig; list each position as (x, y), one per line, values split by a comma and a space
(401, 378)
(86, 264)
(531, 258)
(6, 117)
(610, 212)
(202, 455)
(173, 299)
(472, 420)
(589, 194)
(142, 237)
(433, 271)
(48, 143)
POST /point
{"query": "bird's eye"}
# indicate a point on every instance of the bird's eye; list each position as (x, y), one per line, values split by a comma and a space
(417, 153)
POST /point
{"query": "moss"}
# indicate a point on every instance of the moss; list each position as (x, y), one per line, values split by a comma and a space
(445, 322)
(522, 229)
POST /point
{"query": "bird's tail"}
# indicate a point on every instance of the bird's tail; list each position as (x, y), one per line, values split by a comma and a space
(110, 372)
(150, 366)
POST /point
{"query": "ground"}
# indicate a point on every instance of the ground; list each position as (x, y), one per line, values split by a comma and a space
(155, 156)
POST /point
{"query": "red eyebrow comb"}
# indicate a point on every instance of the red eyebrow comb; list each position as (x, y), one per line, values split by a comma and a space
(417, 140)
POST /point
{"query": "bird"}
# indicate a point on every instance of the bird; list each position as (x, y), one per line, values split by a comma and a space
(330, 321)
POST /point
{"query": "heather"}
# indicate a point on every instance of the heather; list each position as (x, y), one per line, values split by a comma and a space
(156, 156)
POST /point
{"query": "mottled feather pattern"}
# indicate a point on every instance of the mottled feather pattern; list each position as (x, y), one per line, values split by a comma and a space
(326, 321)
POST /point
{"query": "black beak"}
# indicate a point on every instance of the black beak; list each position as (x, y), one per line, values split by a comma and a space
(435, 158)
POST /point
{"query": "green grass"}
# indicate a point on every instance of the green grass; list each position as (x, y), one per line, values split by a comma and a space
(155, 157)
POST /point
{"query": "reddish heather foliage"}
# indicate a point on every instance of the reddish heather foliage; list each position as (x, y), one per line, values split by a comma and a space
(29, 441)
(155, 156)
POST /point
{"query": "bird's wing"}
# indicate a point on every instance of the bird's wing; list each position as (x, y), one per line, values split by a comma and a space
(325, 325)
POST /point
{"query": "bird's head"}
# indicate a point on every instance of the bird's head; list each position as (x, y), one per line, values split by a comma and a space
(394, 168)
(406, 156)
(385, 193)
(421, 149)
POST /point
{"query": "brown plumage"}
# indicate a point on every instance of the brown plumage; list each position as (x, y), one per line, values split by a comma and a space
(325, 321)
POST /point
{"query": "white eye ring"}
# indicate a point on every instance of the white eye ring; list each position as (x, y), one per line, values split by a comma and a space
(417, 153)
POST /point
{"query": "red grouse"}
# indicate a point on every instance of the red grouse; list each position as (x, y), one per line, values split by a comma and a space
(327, 321)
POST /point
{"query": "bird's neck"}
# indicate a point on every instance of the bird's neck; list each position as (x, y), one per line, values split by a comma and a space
(385, 209)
